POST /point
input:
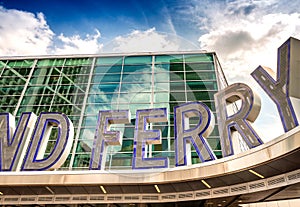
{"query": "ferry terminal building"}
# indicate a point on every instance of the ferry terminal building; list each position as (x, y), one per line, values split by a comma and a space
(78, 87)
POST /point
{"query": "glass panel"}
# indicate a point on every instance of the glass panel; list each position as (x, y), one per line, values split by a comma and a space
(161, 68)
(45, 63)
(76, 70)
(96, 88)
(162, 77)
(135, 98)
(176, 67)
(199, 66)
(177, 96)
(102, 98)
(109, 61)
(84, 146)
(127, 146)
(135, 78)
(177, 86)
(168, 58)
(20, 63)
(215, 132)
(58, 62)
(21, 73)
(12, 81)
(204, 85)
(90, 121)
(161, 97)
(198, 57)
(41, 71)
(200, 75)
(214, 143)
(78, 61)
(82, 160)
(176, 76)
(94, 108)
(135, 87)
(137, 68)
(2, 63)
(138, 60)
(162, 86)
(198, 96)
(106, 78)
(108, 69)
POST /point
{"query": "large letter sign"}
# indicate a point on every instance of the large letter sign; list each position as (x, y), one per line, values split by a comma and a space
(34, 159)
(24, 147)
(249, 110)
(287, 83)
(184, 135)
(104, 137)
(14, 142)
(144, 136)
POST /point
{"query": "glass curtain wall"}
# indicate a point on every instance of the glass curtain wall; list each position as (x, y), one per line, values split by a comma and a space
(80, 87)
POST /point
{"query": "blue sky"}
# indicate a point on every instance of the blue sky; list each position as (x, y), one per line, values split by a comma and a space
(244, 33)
(112, 19)
(230, 27)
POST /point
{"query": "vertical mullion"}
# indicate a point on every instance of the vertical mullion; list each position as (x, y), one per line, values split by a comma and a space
(120, 84)
(25, 88)
(57, 84)
(152, 81)
(184, 77)
(82, 114)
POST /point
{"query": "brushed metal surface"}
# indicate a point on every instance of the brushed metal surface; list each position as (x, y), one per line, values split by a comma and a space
(274, 151)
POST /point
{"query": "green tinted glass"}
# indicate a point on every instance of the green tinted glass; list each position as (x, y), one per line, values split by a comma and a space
(198, 57)
(138, 60)
(168, 58)
(109, 61)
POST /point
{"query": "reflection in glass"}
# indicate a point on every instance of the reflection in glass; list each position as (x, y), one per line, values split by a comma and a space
(81, 86)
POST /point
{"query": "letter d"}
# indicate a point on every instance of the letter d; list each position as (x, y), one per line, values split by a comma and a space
(34, 159)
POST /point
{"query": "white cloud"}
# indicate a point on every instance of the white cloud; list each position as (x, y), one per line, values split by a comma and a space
(78, 45)
(144, 41)
(246, 34)
(23, 33)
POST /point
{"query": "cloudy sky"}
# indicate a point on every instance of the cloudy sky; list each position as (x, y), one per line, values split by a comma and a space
(244, 33)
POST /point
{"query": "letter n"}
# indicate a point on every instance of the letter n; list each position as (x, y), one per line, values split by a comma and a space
(14, 141)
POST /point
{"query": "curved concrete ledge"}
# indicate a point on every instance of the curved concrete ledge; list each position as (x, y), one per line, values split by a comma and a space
(273, 151)
(261, 186)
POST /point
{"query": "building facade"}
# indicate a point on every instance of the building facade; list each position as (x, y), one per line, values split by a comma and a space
(79, 90)
(80, 86)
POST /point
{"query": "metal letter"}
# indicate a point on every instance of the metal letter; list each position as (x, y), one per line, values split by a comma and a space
(287, 83)
(249, 110)
(14, 141)
(184, 135)
(104, 137)
(35, 159)
(144, 137)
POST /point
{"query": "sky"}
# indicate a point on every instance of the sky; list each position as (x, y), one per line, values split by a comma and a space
(244, 34)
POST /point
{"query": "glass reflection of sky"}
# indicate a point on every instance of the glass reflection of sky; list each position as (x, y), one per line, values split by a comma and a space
(134, 82)
(133, 90)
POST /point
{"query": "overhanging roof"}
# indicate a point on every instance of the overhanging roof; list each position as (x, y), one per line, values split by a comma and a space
(277, 161)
